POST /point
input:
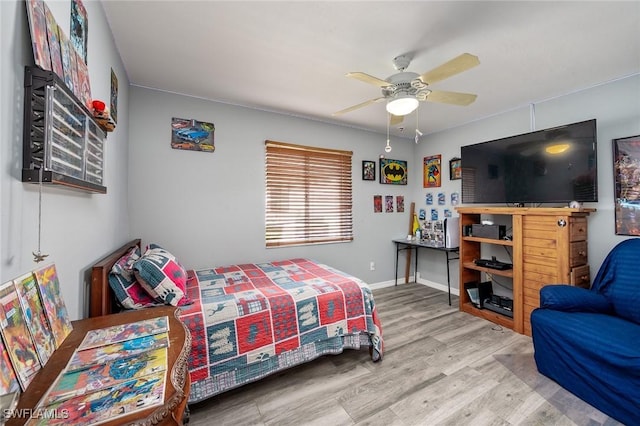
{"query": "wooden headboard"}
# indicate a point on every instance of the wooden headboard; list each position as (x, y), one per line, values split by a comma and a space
(101, 298)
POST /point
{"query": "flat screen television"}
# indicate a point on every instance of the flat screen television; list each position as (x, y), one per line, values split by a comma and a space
(556, 165)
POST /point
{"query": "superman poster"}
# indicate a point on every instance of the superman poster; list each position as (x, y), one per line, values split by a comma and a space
(432, 171)
(393, 171)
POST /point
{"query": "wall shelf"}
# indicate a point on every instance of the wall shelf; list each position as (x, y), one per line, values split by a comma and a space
(61, 139)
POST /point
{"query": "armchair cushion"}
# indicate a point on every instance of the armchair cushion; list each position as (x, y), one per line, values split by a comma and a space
(619, 281)
(573, 299)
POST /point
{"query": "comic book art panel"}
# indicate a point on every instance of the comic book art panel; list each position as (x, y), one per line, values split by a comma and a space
(110, 403)
(377, 203)
(53, 303)
(8, 380)
(114, 96)
(105, 375)
(36, 320)
(54, 42)
(122, 332)
(38, 28)
(432, 171)
(65, 54)
(22, 351)
(79, 28)
(368, 170)
(455, 168)
(626, 157)
(393, 171)
(192, 135)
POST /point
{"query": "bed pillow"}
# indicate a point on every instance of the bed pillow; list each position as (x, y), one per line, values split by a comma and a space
(162, 276)
(127, 290)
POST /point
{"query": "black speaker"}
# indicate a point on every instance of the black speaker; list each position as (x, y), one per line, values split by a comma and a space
(495, 232)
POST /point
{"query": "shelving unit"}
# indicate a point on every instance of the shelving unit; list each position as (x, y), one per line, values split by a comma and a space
(62, 143)
(549, 246)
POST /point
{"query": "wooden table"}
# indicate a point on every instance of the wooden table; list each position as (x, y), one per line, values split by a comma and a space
(177, 384)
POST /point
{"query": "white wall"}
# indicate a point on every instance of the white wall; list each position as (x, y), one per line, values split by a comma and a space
(615, 106)
(208, 208)
(77, 228)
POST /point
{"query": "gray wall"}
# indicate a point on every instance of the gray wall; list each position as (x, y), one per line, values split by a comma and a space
(208, 208)
(77, 228)
(615, 106)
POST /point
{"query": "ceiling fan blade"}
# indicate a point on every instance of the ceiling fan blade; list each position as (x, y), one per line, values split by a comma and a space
(451, 68)
(395, 119)
(368, 79)
(363, 104)
(454, 98)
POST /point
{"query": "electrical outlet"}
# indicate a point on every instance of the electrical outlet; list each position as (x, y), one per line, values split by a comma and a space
(372, 266)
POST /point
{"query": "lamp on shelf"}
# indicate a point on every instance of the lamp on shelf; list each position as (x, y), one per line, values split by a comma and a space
(402, 105)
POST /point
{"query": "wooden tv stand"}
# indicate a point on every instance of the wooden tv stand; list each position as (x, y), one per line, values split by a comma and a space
(549, 246)
(177, 383)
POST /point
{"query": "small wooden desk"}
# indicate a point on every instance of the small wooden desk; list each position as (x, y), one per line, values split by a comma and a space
(415, 245)
(177, 384)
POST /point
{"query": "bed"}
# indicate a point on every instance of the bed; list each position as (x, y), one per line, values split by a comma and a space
(249, 321)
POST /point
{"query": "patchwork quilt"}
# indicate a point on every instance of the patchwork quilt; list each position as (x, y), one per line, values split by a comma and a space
(251, 320)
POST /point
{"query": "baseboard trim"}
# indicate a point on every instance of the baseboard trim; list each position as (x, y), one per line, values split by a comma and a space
(437, 286)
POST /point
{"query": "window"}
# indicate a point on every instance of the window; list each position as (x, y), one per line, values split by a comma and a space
(308, 195)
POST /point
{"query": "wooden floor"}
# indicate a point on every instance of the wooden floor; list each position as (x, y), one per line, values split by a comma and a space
(440, 367)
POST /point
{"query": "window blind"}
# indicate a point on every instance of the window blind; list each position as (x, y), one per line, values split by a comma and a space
(308, 195)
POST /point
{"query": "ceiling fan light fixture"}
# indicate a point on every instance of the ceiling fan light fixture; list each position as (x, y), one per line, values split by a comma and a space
(402, 105)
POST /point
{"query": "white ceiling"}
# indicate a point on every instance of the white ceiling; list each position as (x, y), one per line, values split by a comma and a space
(291, 57)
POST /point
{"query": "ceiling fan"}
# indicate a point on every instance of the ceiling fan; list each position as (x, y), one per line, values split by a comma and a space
(403, 91)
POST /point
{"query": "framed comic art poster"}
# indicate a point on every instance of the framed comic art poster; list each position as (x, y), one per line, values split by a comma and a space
(393, 171)
(626, 173)
(455, 170)
(368, 170)
(432, 171)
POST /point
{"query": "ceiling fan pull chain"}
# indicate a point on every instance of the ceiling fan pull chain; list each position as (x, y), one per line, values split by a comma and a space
(387, 148)
(37, 255)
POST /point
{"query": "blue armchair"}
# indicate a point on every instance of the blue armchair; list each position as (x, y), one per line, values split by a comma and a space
(588, 341)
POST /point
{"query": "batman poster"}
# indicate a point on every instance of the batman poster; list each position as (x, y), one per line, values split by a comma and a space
(393, 171)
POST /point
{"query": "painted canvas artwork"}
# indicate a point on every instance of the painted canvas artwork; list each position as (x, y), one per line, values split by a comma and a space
(192, 135)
